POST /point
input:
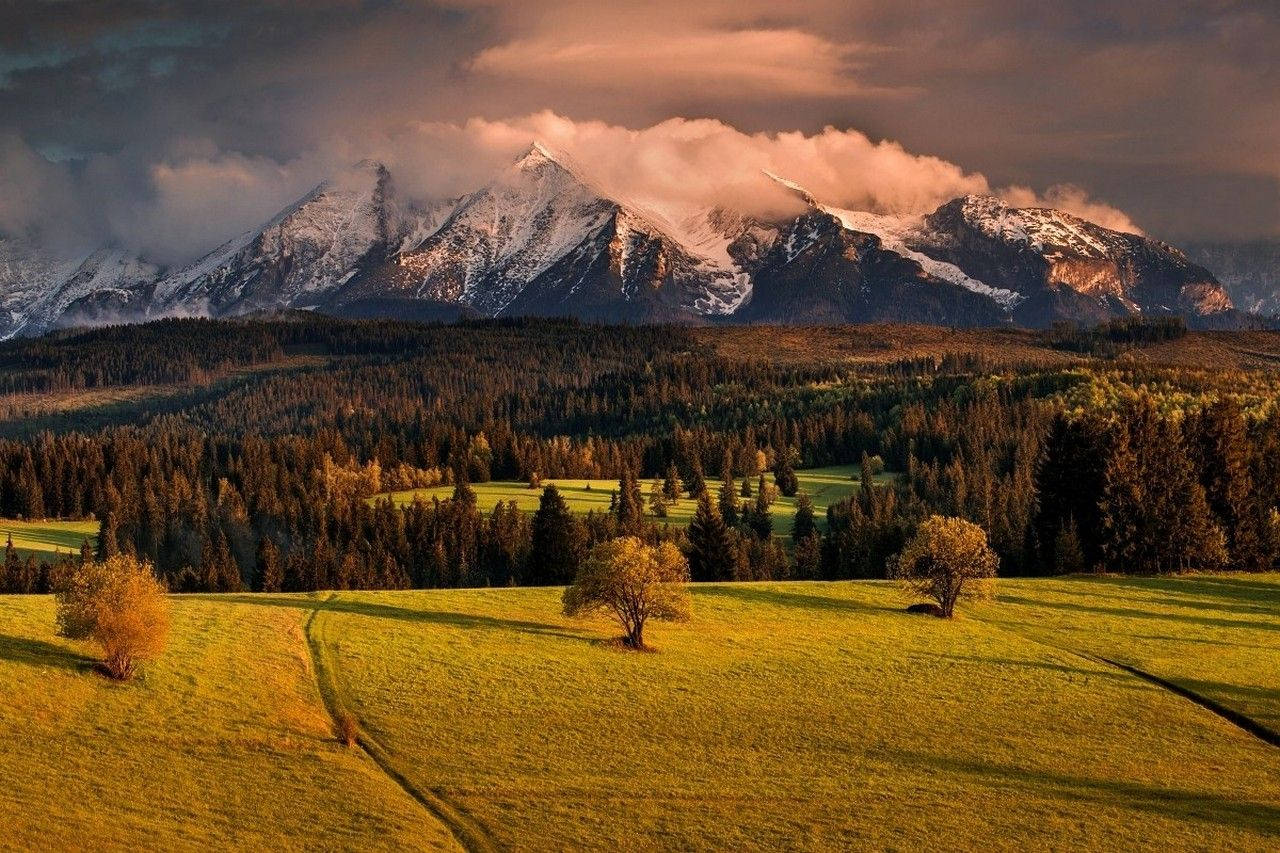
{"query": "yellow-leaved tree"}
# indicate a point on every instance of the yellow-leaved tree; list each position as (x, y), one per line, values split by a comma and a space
(118, 604)
(635, 582)
(947, 559)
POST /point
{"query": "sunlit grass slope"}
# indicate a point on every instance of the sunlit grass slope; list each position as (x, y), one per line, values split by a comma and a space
(1218, 636)
(48, 539)
(224, 741)
(811, 716)
(824, 485)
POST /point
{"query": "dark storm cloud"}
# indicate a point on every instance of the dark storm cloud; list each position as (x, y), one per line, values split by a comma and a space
(172, 123)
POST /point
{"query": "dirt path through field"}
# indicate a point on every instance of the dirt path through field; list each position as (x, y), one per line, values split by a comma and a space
(469, 833)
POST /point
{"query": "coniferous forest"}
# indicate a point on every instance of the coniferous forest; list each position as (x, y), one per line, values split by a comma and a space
(250, 454)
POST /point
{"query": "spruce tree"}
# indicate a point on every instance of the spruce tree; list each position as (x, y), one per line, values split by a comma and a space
(760, 519)
(711, 547)
(803, 525)
(269, 573)
(671, 485)
(728, 503)
(557, 541)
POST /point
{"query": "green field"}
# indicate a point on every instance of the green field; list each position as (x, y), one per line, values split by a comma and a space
(48, 539)
(824, 485)
(785, 715)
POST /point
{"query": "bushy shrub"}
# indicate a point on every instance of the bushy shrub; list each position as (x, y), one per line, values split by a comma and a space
(120, 605)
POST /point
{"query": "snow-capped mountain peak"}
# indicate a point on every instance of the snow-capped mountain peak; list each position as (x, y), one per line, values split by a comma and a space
(543, 236)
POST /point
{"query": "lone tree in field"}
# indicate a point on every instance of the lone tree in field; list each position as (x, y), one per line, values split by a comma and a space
(120, 605)
(635, 582)
(948, 559)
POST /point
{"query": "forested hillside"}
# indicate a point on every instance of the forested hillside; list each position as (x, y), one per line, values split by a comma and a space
(243, 454)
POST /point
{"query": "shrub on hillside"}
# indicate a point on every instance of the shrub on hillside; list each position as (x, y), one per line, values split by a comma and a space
(947, 559)
(634, 582)
(119, 604)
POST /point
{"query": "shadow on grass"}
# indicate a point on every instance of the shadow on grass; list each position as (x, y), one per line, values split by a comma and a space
(783, 598)
(1133, 613)
(376, 610)
(1173, 803)
(1050, 666)
(31, 652)
(1236, 594)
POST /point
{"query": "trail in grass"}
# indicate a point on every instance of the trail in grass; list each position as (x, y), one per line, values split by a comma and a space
(1247, 723)
(1241, 721)
(469, 833)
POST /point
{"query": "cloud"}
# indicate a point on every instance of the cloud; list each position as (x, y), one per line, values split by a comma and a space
(190, 197)
(1074, 200)
(683, 163)
(730, 64)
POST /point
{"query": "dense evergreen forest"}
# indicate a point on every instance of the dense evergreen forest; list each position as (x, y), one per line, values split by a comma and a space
(255, 458)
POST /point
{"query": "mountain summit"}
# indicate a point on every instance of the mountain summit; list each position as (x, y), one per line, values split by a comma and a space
(543, 238)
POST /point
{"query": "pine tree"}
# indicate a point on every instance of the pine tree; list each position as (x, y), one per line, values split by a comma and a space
(12, 580)
(711, 549)
(728, 503)
(269, 573)
(760, 519)
(1068, 553)
(803, 525)
(557, 542)
(629, 506)
(808, 556)
(695, 484)
(1221, 440)
(671, 485)
(784, 475)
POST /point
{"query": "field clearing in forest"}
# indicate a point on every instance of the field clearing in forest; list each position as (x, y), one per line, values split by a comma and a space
(48, 539)
(783, 716)
(825, 486)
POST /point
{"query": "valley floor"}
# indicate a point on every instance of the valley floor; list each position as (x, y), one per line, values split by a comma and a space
(796, 716)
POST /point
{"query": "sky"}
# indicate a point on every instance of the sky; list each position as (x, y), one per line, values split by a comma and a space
(170, 125)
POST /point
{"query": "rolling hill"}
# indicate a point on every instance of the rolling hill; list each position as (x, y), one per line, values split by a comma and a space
(800, 716)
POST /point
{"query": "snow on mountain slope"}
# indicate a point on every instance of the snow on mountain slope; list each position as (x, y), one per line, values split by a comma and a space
(504, 235)
(305, 252)
(543, 210)
(28, 275)
(110, 285)
(1042, 229)
(897, 233)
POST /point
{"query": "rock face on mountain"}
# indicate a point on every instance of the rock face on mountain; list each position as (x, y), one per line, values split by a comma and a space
(303, 256)
(821, 272)
(1036, 251)
(542, 238)
(1250, 271)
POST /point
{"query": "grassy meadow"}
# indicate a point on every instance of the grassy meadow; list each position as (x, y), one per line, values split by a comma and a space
(825, 486)
(785, 715)
(48, 539)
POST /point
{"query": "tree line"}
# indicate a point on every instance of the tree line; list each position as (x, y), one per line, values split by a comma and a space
(271, 484)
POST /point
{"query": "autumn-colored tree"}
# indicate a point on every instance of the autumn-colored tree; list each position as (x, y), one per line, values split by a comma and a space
(657, 500)
(634, 582)
(118, 604)
(947, 559)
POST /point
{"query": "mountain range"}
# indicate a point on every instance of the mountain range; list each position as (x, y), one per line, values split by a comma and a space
(543, 238)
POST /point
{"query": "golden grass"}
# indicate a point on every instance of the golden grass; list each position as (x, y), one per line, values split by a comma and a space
(222, 742)
(809, 716)
(48, 539)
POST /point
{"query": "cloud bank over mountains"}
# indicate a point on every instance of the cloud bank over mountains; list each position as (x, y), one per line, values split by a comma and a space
(196, 195)
(167, 122)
